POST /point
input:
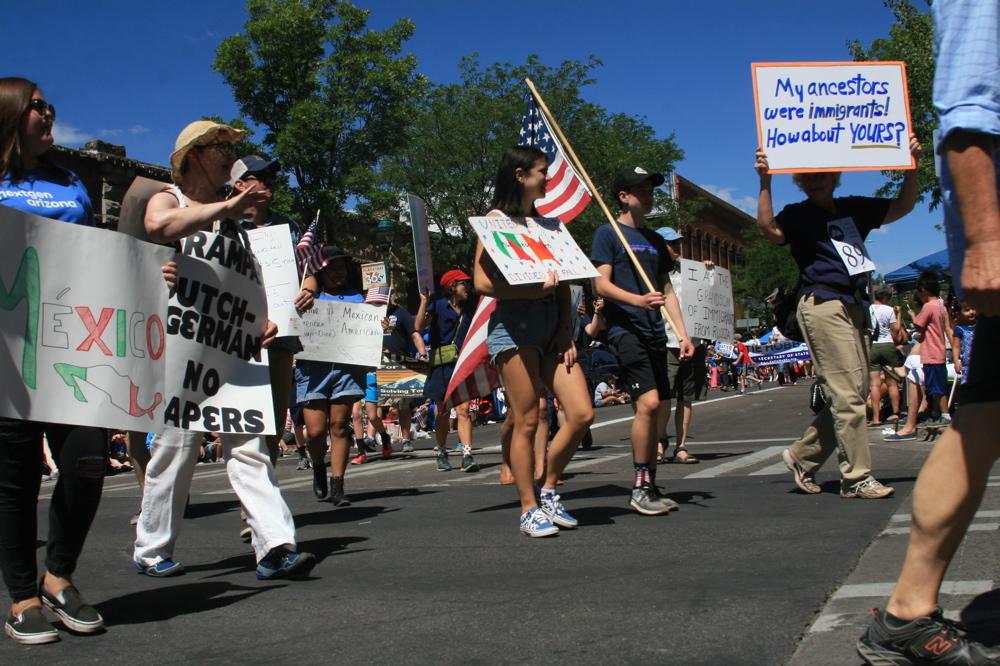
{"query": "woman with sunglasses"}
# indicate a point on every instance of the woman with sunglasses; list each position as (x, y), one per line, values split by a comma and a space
(530, 339)
(28, 177)
(449, 318)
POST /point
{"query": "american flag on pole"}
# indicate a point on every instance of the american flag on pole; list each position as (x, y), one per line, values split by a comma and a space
(474, 375)
(377, 295)
(566, 194)
(309, 251)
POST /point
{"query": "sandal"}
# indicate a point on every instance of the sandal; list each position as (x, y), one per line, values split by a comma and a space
(872, 424)
(892, 417)
(661, 450)
(689, 460)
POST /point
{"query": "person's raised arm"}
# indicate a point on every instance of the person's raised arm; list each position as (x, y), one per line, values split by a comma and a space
(166, 221)
(422, 318)
(970, 162)
(907, 197)
(766, 223)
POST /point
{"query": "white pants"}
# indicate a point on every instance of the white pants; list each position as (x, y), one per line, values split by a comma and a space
(173, 456)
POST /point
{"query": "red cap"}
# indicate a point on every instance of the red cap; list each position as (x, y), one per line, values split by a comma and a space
(453, 276)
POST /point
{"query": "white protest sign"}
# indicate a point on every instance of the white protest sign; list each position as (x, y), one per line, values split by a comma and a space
(525, 249)
(218, 379)
(273, 248)
(82, 325)
(421, 245)
(343, 332)
(850, 246)
(837, 116)
(706, 299)
(131, 221)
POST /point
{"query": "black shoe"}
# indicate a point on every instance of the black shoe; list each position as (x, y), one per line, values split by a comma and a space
(31, 627)
(279, 563)
(320, 488)
(337, 495)
(73, 610)
(932, 639)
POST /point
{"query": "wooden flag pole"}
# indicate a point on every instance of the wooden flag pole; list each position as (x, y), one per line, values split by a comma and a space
(681, 336)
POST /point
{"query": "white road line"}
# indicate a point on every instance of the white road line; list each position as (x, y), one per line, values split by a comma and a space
(974, 527)
(771, 470)
(739, 463)
(901, 517)
(879, 590)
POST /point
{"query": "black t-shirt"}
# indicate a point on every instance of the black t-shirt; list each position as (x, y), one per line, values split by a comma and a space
(654, 257)
(807, 229)
(397, 340)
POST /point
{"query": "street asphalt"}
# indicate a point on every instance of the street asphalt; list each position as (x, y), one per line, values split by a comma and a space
(429, 567)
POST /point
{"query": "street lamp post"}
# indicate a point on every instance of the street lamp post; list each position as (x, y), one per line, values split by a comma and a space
(385, 232)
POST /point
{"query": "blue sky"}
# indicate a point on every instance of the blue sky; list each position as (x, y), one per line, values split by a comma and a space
(135, 73)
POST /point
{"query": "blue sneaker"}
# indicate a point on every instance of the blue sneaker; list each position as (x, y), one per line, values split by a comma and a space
(555, 511)
(162, 569)
(895, 437)
(535, 523)
(280, 563)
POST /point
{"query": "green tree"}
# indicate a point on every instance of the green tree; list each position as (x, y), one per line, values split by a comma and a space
(331, 97)
(461, 130)
(911, 41)
(767, 267)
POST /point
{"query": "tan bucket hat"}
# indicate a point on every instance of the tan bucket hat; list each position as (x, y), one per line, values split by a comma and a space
(199, 133)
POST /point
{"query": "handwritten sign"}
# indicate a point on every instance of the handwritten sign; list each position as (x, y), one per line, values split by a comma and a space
(837, 116)
(525, 249)
(373, 275)
(706, 299)
(218, 379)
(81, 319)
(272, 246)
(421, 245)
(343, 332)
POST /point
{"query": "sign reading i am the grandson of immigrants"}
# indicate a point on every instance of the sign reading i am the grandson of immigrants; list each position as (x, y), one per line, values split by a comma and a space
(834, 116)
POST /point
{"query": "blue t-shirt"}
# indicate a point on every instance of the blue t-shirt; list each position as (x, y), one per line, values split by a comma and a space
(399, 336)
(43, 194)
(654, 257)
(805, 225)
(445, 319)
(346, 294)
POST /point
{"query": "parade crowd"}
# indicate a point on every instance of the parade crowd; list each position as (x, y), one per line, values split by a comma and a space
(874, 371)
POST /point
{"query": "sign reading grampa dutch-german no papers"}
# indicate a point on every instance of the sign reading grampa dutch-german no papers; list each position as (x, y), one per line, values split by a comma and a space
(525, 249)
(834, 116)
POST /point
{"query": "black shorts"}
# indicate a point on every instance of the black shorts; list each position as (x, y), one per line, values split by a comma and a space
(643, 368)
(984, 363)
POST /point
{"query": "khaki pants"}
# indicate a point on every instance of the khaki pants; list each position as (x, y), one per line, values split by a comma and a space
(837, 335)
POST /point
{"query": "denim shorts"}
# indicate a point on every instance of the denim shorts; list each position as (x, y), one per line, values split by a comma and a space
(321, 380)
(522, 323)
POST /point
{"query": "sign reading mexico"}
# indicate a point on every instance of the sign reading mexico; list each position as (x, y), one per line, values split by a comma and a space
(525, 249)
(217, 378)
(835, 116)
(78, 348)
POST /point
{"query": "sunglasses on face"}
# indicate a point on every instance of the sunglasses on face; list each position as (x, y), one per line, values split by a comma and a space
(225, 147)
(41, 106)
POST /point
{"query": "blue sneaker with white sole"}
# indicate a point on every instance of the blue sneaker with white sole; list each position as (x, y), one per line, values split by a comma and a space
(280, 563)
(555, 511)
(535, 523)
(162, 569)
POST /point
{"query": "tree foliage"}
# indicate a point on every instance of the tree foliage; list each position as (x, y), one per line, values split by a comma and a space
(911, 40)
(331, 97)
(768, 267)
(461, 130)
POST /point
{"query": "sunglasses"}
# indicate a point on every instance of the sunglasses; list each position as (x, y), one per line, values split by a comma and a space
(225, 147)
(41, 106)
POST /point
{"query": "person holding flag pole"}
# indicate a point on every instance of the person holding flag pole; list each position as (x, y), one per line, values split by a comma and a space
(635, 311)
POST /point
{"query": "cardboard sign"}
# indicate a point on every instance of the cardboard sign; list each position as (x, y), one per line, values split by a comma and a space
(81, 317)
(217, 378)
(835, 116)
(706, 299)
(525, 249)
(373, 275)
(421, 245)
(343, 332)
(272, 246)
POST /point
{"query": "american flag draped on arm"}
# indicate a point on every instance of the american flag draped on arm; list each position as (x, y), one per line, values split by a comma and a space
(566, 196)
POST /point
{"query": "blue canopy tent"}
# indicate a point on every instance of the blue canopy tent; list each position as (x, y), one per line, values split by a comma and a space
(906, 277)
